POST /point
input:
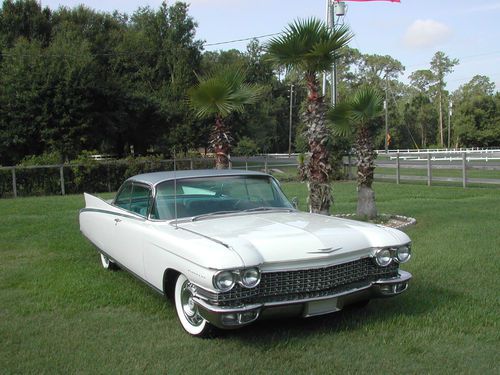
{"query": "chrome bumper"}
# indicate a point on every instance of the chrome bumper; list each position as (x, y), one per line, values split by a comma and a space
(235, 317)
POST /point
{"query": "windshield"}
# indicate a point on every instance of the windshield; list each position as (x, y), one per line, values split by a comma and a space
(209, 195)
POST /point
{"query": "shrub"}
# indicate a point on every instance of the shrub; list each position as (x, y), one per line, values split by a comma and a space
(246, 147)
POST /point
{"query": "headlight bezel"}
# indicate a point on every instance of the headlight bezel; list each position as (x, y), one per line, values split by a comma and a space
(392, 252)
(378, 257)
(397, 253)
(238, 277)
(242, 277)
(216, 281)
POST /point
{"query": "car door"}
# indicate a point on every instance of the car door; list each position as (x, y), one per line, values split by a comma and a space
(129, 227)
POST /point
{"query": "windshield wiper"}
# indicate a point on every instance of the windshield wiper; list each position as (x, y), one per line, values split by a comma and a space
(198, 217)
(256, 209)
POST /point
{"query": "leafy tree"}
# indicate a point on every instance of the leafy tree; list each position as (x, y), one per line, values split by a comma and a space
(358, 116)
(476, 113)
(310, 47)
(70, 83)
(441, 65)
(218, 95)
(246, 147)
(24, 19)
(21, 101)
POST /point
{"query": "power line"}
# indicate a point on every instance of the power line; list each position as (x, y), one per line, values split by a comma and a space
(128, 53)
(241, 40)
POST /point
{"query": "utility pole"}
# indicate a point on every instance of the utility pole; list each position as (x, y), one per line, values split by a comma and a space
(327, 17)
(450, 111)
(334, 8)
(291, 121)
(333, 79)
(386, 102)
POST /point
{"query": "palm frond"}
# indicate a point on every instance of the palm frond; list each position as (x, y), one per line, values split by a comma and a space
(366, 105)
(308, 45)
(221, 93)
(339, 118)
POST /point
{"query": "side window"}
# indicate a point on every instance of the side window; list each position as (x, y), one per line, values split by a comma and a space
(123, 198)
(141, 197)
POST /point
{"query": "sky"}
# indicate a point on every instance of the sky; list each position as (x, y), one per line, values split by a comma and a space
(410, 31)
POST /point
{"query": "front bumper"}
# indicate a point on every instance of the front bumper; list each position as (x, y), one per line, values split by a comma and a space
(235, 317)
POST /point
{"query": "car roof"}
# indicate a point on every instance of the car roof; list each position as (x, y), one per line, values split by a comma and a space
(155, 178)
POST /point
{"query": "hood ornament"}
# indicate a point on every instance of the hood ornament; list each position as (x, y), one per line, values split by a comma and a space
(328, 250)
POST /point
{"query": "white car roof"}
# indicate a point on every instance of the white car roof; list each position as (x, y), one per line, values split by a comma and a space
(155, 178)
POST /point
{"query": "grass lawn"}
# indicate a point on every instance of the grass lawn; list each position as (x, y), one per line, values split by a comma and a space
(61, 313)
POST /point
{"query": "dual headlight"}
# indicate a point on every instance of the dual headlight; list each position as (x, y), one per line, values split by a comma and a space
(400, 254)
(225, 280)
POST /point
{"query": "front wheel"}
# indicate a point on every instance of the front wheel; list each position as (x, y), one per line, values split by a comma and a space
(108, 264)
(187, 311)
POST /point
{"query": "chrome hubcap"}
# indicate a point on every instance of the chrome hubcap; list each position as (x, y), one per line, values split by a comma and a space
(189, 307)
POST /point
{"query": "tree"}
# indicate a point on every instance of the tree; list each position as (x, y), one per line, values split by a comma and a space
(218, 95)
(310, 47)
(441, 65)
(21, 101)
(358, 116)
(24, 19)
(476, 113)
(420, 110)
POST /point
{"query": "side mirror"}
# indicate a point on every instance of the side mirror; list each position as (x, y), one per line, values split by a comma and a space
(295, 203)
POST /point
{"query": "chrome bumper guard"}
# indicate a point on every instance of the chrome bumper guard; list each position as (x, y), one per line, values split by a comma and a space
(234, 317)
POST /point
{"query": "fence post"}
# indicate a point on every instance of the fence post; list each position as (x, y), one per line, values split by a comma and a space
(191, 163)
(108, 177)
(14, 184)
(398, 176)
(429, 170)
(349, 169)
(464, 170)
(246, 164)
(61, 174)
(265, 165)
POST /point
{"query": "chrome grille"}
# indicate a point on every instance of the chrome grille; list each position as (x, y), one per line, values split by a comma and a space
(290, 285)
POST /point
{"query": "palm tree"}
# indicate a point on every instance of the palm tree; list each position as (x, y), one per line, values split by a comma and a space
(357, 116)
(218, 95)
(309, 46)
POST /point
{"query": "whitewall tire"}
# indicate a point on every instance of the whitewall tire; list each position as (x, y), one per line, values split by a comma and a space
(187, 311)
(108, 264)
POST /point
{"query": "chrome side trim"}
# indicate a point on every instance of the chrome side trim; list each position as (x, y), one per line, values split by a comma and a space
(174, 224)
(107, 212)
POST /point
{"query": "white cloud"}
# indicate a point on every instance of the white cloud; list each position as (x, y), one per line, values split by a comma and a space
(426, 33)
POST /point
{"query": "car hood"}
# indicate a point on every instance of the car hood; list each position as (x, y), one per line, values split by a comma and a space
(275, 239)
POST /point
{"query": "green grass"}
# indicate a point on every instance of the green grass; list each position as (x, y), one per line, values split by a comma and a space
(61, 313)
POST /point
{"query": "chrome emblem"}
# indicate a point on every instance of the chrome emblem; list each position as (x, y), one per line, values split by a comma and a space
(328, 250)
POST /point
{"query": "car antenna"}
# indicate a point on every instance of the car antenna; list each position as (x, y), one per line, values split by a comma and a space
(175, 189)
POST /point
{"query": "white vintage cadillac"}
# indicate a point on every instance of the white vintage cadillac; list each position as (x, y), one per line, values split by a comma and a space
(228, 248)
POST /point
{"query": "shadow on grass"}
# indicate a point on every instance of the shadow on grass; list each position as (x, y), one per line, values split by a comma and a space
(419, 300)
